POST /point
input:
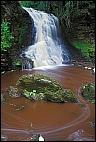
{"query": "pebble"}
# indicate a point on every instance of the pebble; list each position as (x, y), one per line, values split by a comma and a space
(3, 72)
(12, 105)
(85, 67)
(89, 68)
(19, 108)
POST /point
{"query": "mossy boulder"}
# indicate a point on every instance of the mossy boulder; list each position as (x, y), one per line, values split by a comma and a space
(40, 87)
(88, 92)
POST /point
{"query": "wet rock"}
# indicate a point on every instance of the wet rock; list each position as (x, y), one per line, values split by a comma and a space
(18, 108)
(35, 137)
(39, 87)
(92, 124)
(2, 99)
(4, 138)
(13, 92)
(93, 70)
(77, 136)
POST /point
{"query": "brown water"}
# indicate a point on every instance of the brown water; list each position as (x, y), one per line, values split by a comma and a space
(68, 121)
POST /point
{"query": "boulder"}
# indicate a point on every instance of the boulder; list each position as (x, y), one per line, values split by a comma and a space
(88, 92)
(40, 87)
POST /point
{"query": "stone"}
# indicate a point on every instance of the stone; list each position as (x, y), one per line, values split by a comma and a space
(43, 88)
(13, 92)
(2, 99)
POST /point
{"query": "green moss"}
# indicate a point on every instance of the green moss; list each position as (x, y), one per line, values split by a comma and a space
(86, 49)
(40, 87)
(88, 92)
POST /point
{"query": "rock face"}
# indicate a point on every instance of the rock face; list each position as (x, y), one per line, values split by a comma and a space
(88, 92)
(5, 61)
(82, 22)
(39, 87)
(18, 19)
(20, 27)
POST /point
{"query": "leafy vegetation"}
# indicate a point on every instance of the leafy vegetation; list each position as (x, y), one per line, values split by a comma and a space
(87, 50)
(6, 36)
(25, 3)
(88, 92)
(39, 5)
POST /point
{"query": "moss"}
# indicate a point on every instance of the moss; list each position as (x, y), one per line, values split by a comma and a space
(39, 87)
(88, 92)
(87, 50)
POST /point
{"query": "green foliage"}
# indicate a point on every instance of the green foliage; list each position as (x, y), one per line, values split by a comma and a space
(86, 48)
(25, 3)
(39, 5)
(6, 36)
(88, 92)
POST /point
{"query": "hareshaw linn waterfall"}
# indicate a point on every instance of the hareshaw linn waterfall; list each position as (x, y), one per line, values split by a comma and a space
(47, 49)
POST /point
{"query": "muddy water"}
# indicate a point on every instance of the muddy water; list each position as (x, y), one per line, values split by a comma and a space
(20, 117)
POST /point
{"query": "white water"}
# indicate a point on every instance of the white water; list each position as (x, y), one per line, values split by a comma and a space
(47, 47)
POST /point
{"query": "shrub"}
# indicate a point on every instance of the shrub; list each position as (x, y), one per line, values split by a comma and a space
(25, 3)
(85, 48)
(88, 92)
(39, 5)
(6, 36)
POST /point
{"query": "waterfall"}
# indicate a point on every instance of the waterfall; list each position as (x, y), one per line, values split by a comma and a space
(47, 47)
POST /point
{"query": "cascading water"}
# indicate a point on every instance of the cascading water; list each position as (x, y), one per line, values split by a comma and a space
(47, 47)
